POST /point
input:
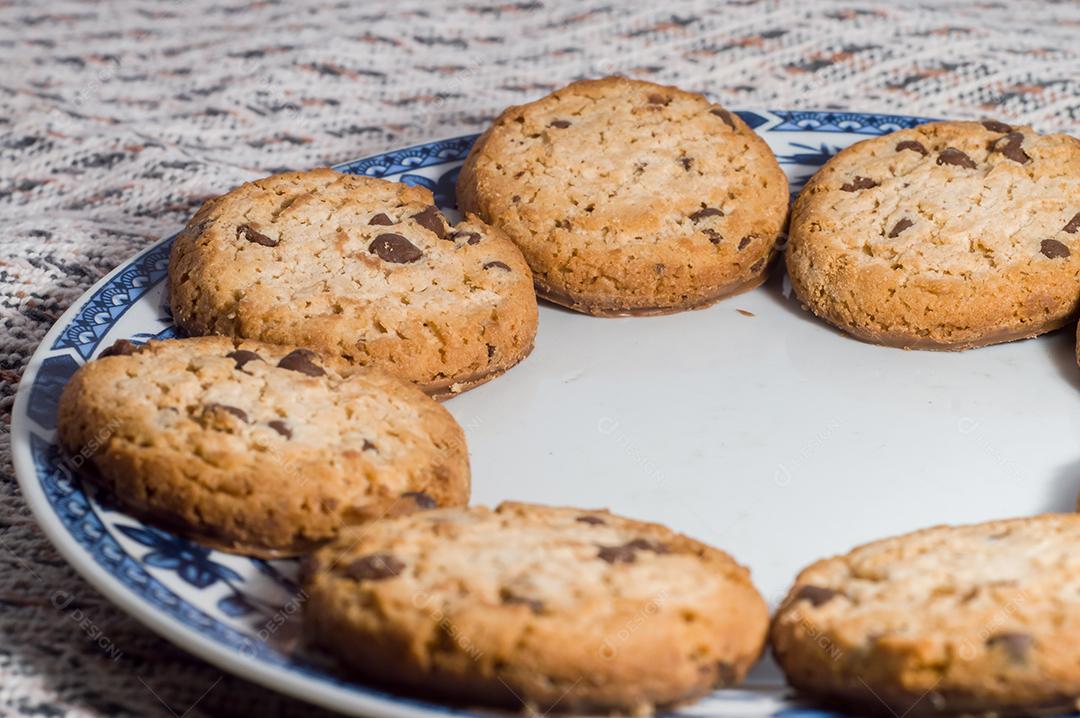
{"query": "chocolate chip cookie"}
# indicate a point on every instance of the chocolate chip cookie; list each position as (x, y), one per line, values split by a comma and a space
(553, 608)
(950, 235)
(257, 448)
(365, 271)
(968, 620)
(628, 197)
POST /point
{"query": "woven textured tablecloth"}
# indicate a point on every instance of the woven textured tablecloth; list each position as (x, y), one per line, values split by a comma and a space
(118, 119)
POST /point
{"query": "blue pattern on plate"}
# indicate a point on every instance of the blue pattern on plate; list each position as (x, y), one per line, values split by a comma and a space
(109, 303)
(197, 568)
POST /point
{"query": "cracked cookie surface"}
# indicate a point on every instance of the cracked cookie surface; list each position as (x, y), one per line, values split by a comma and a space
(949, 235)
(552, 607)
(365, 271)
(257, 448)
(978, 620)
(628, 197)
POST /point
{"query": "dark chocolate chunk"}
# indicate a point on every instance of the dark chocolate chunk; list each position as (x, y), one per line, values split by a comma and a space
(756, 266)
(430, 219)
(301, 360)
(995, 126)
(490, 350)
(497, 264)
(281, 427)
(381, 218)
(395, 249)
(745, 242)
(242, 357)
(1073, 225)
(246, 231)
(912, 145)
(647, 545)
(421, 499)
(469, 236)
(593, 520)
(686, 162)
(123, 348)
(724, 115)
(1054, 249)
(234, 411)
(560, 124)
(617, 554)
(714, 236)
(816, 595)
(706, 212)
(1011, 146)
(858, 183)
(899, 227)
(376, 567)
(953, 156)
(1016, 645)
(627, 553)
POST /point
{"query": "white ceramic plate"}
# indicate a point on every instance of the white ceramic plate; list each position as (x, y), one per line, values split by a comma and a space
(748, 425)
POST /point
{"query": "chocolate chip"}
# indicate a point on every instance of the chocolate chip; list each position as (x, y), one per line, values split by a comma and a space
(995, 126)
(535, 605)
(395, 249)
(1017, 646)
(499, 265)
(1054, 249)
(431, 219)
(706, 212)
(686, 162)
(745, 242)
(301, 360)
(647, 545)
(714, 236)
(232, 410)
(251, 235)
(756, 266)
(627, 552)
(858, 183)
(953, 156)
(658, 99)
(564, 224)
(560, 124)
(376, 567)
(816, 595)
(1013, 148)
(381, 218)
(281, 427)
(368, 446)
(1073, 225)
(617, 554)
(592, 520)
(421, 499)
(912, 145)
(242, 357)
(123, 348)
(490, 350)
(468, 236)
(724, 115)
(899, 227)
